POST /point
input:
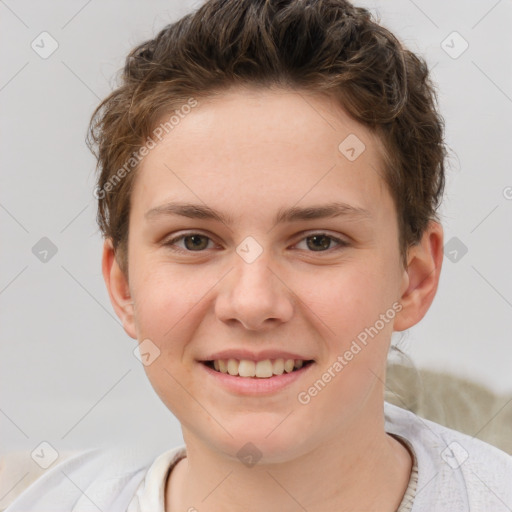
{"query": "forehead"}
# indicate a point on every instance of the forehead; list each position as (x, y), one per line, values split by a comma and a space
(259, 147)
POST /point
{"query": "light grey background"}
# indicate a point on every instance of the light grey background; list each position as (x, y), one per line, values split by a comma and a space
(68, 373)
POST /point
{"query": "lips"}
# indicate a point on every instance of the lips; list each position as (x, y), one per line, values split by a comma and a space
(240, 354)
(254, 386)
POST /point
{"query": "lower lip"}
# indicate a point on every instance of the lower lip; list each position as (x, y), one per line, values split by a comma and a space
(254, 385)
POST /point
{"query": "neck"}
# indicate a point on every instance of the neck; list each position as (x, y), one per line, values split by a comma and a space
(361, 468)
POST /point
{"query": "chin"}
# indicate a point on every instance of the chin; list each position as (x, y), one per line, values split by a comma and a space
(263, 440)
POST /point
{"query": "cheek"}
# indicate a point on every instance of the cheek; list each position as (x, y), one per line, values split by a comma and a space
(359, 312)
(357, 306)
(167, 305)
(347, 299)
(165, 299)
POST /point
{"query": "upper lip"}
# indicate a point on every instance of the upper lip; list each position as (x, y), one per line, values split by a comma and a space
(254, 356)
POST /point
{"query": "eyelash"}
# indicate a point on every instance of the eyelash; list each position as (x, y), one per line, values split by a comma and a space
(170, 243)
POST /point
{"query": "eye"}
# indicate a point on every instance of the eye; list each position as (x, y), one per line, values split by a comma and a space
(197, 242)
(193, 242)
(321, 242)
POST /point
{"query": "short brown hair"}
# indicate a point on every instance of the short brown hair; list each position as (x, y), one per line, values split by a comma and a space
(325, 46)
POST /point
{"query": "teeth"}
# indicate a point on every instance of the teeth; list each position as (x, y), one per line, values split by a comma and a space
(261, 369)
(264, 368)
(278, 367)
(247, 368)
(288, 365)
(232, 367)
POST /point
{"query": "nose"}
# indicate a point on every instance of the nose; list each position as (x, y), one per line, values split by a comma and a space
(254, 296)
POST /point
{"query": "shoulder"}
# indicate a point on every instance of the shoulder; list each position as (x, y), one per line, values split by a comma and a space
(455, 471)
(100, 477)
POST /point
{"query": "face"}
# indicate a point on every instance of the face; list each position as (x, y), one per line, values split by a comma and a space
(300, 260)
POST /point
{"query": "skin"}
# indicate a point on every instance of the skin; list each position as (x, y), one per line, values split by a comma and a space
(248, 153)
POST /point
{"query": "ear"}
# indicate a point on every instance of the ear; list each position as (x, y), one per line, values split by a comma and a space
(118, 289)
(421, 278)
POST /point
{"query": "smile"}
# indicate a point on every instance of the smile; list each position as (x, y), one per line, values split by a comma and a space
(263, 369)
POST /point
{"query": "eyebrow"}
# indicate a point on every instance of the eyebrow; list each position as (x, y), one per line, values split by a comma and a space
(292, 214)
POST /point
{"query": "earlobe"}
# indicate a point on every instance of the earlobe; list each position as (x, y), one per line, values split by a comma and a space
(421, 278)
(118, 289)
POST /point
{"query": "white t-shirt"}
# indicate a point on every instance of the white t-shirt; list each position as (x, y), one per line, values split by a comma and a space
(455, 473)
